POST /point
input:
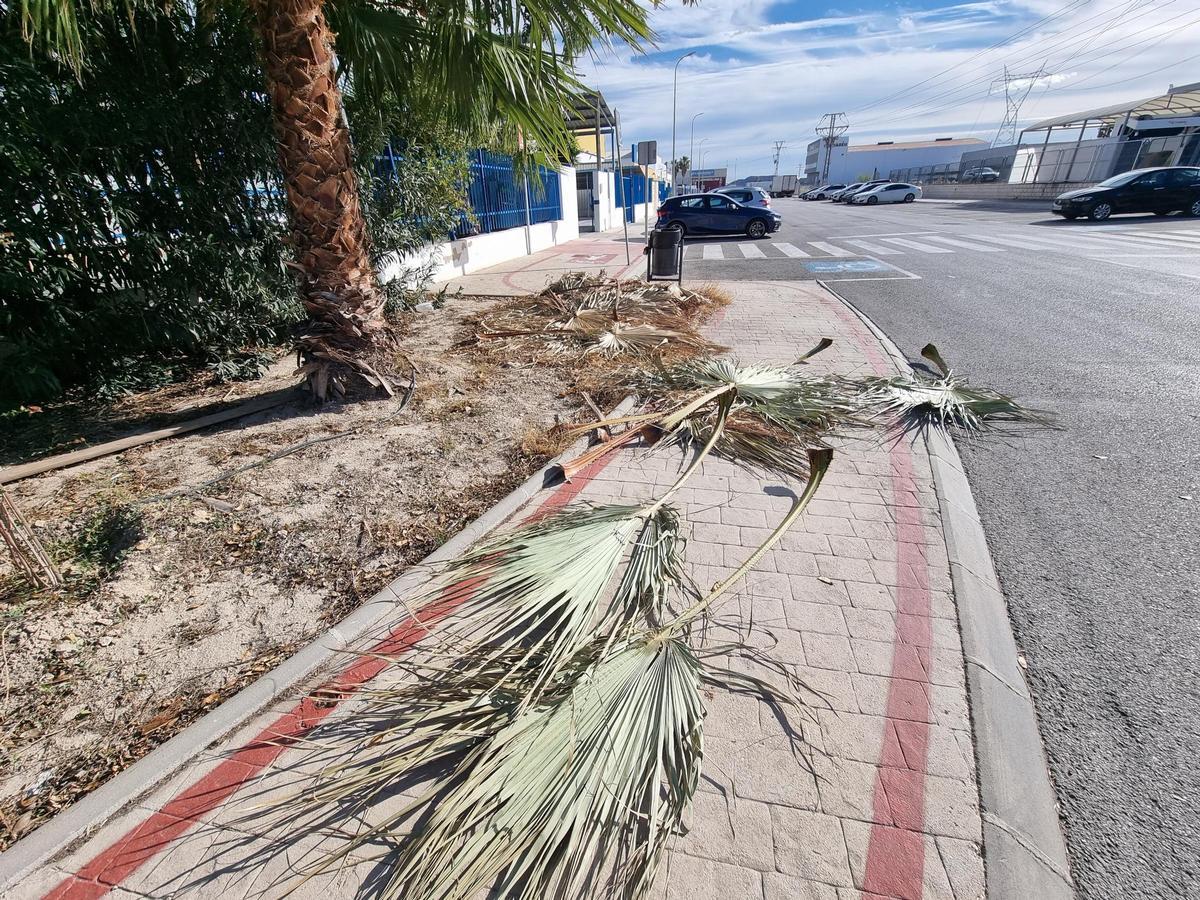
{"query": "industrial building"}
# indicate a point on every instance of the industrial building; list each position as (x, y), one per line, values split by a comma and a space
(1089, 146)
(862, 162)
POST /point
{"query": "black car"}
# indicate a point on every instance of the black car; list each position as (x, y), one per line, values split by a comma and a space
(844, 195)
(1159, 191)
(716, 214)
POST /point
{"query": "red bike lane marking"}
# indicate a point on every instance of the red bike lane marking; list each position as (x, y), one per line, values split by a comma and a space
(155, 834)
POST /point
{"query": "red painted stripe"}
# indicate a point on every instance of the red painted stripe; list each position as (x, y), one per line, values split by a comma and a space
(896, 855)
(154, 835)
(895, 865)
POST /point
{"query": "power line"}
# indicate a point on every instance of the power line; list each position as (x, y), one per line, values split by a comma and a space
(1036, 50)
(1002, 42)
(960, 94)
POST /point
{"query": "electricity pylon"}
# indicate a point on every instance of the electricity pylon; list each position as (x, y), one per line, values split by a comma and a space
(831, 127)
(1016, 90)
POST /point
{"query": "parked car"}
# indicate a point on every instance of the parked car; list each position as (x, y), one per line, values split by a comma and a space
(716, 214)
(888, 192)
(980, 175)
(1160, 191)
(823, 192)
(747, 196)
(846, 193)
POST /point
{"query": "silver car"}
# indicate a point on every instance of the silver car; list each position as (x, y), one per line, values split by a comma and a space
(747, 196)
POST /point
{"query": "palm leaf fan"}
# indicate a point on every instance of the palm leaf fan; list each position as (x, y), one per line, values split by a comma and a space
(915, 403)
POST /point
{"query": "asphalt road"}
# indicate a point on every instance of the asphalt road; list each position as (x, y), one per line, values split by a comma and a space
(1095, 530)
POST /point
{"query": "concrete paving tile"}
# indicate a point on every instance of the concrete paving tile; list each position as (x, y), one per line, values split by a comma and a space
(823, 618)
(895, 697)
(810, 845)
(843, 569)
(963, 864)
(871, 596)
(873, 624)
(834, 689)
(828, 651)
(786, 887)
(828, 525)
(818, 590)
(692, 878)
(729, 830)
(793, 563)
(914, 862)
(853, 735)
(848, 789)
(850, 547)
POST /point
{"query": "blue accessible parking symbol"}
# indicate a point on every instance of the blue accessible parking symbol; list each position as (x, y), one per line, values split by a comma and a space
(831, 266)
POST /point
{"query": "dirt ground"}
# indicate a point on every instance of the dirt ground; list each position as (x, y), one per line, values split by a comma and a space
(174, 603)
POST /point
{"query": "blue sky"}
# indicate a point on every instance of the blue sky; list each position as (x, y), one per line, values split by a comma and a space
(765, 70)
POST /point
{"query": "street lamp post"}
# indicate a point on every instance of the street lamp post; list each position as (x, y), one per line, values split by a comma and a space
(702, 151)
(692, 149)
(674, 99)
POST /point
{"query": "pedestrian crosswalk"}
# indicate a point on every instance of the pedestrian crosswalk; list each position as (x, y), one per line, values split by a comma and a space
(1082, 242)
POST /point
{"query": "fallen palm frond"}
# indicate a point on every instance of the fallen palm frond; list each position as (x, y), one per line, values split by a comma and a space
(583, 313)
(559, 711)
(915, 403)
(776, 413)
(576, 793)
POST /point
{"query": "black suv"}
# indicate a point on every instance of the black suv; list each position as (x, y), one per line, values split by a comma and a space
(1158, 191)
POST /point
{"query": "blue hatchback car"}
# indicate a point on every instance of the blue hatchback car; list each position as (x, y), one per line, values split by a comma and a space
(716, 214)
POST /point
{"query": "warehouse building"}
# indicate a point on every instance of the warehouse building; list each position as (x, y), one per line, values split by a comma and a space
(863, 162)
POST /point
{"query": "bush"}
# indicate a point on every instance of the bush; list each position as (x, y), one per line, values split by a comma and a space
(143, 227)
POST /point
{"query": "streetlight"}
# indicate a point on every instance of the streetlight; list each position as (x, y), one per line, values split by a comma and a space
(692, 149)
(702, 151)
(674, 97)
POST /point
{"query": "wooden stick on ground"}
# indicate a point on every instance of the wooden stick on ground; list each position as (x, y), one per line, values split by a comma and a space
(28, 555)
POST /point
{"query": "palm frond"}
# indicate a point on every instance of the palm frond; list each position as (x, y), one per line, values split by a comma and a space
(550, 805)
(913, 404)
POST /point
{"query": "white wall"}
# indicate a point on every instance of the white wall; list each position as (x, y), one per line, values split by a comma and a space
(470, 254)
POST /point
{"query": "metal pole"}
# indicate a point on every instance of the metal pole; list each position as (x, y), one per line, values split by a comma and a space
(674, 99)
(692, 149)
(621, 176)
(1042, 155)
(1075, 152)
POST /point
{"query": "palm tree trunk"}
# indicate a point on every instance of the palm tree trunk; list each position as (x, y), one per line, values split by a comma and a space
(329, 235)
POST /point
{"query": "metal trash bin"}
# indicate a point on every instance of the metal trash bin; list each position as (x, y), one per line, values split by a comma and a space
(665, 255)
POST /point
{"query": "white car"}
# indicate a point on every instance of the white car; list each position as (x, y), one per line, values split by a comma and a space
(747, 196)
(891, 192)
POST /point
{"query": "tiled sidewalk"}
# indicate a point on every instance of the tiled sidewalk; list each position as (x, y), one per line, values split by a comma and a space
(856, 600)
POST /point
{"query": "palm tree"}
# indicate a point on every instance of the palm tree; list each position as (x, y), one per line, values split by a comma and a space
(487, 67)
(683, 165)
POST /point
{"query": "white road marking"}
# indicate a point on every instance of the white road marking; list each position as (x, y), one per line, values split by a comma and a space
(1023, 244)
(829, 248)
(791, 250)
(751, 251)
(1110, 239)
(875, 248)
(1170, 237)
(983, 248)
(712, 251)
(917, 245)
(1159, 238)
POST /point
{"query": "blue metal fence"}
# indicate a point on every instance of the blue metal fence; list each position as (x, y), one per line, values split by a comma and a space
(497, 194)
(635, 193)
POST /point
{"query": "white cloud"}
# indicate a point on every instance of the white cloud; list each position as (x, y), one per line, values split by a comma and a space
(760, 76)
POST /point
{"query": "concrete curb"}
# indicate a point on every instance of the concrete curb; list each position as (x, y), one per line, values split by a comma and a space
(86, 816)
(1024, 852)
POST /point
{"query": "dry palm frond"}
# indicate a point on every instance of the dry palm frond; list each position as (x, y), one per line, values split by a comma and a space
(583, 788)
(593, 313)
(915, 403)
(574, 795)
